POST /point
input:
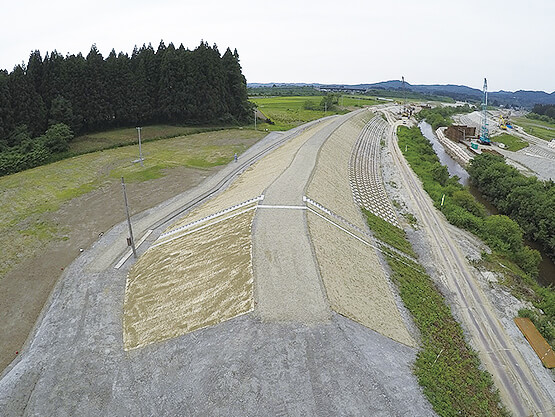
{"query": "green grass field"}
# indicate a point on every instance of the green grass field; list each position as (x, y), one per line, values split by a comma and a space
(538, 128)
(512, 142)
(127, 136)
(288, 112)
(27, 195)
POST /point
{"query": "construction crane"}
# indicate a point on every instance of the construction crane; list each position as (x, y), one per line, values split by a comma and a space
(404, 112)
(484, 132)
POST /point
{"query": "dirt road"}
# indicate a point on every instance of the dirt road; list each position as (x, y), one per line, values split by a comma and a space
(518, 387)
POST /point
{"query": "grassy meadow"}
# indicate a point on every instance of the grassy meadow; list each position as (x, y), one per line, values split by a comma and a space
(513, 143)
(27, 196)
(288, 112)
(538, 128)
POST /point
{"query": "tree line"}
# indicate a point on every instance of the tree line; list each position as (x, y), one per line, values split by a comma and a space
(527, 200)
(167, 85)
(441, 116)
(503, 234)
(545, 112)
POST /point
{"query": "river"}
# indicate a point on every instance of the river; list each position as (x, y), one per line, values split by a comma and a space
(546, 267)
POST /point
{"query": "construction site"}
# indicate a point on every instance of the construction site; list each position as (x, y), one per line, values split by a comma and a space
(262, 290)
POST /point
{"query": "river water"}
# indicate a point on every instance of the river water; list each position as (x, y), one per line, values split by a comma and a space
(546, 267)
(452, 166)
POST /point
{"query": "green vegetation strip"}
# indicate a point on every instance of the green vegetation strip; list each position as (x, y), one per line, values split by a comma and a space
(441, 116)
(504, 236)
(128, 136)
(391, 235)
(512, 142)
(288, 112)
(446, 366)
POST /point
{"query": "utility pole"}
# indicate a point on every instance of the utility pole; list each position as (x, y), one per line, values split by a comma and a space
(130, 240)
(140, 150)
(254, 119)
(404, 95)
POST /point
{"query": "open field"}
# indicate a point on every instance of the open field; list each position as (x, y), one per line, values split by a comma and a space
(513, 143)
(288, 112)
(128, 136)
(49, 212)
(27, 195)
(538, 128)
(358, 101)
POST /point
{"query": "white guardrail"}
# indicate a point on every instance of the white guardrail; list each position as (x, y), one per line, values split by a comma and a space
(212, 216)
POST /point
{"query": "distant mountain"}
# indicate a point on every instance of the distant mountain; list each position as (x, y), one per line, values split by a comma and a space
(520, 98)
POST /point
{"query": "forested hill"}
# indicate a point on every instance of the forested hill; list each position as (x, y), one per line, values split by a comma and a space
(167, 85)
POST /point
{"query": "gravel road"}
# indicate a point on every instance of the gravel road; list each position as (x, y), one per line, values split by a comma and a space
(289, 286)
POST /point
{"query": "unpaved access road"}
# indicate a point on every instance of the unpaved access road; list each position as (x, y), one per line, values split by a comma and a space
(75, 364)
(519, 389)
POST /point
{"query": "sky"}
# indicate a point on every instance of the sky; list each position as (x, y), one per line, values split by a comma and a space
(509, 42)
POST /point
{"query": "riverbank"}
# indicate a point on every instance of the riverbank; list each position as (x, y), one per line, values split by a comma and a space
(546, 269)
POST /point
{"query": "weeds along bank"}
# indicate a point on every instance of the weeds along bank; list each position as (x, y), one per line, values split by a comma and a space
(446, 366)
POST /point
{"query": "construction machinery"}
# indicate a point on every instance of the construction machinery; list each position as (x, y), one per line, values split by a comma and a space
(484, 132)
(502, 124)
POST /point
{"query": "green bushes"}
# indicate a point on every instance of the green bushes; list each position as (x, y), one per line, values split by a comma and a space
(528, 201)
(446, 367)
(30, 153)
(441, 116)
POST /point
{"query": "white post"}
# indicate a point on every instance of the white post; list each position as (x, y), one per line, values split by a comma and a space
(140, 150)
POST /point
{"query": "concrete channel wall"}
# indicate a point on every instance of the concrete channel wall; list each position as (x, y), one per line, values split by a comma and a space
(453, 149)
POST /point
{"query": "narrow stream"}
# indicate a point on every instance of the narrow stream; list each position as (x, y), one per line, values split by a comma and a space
(546, 267)
(452, 166)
